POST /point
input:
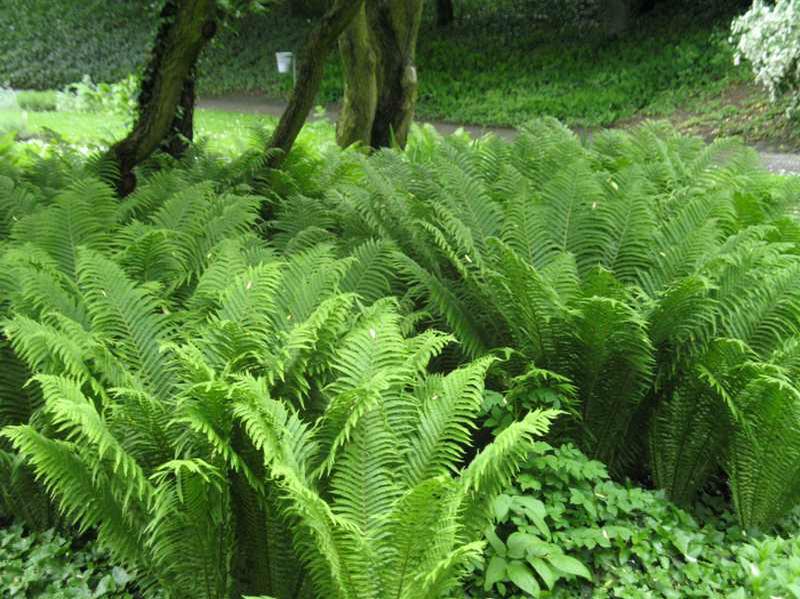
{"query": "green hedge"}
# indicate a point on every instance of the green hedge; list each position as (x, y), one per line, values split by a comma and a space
(47, 44)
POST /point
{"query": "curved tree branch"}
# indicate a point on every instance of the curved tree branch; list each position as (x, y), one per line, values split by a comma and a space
(166, 99)
(311, 67)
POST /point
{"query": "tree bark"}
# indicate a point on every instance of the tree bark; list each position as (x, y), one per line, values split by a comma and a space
(390, 41)
(310, 69)
(166, 98)
(445, 13)
(182, 130)
(359, 64)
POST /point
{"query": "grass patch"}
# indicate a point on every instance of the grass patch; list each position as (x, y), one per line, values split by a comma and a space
(226, 132)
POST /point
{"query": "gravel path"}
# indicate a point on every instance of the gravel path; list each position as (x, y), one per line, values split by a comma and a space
(785, 164)
(774, 161)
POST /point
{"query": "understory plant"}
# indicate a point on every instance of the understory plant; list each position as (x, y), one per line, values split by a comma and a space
(565, 529)
(230, 418)
(88, 96)
(653, 275)
(47, 564)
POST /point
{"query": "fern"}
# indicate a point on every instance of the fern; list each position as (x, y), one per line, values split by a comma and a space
(624, 265)
(253, 427)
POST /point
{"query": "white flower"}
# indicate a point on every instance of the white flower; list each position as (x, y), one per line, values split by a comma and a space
(768, 37)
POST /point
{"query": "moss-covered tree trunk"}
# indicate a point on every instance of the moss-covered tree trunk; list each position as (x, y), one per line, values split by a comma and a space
(360, 69)
(182, 130)
(166, 98)
(378, 53)
(310, 70)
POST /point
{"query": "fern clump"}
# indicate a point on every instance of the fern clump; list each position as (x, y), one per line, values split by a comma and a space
(658, 274)
(233, 418)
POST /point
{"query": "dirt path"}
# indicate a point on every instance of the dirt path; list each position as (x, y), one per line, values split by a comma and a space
(774, 161)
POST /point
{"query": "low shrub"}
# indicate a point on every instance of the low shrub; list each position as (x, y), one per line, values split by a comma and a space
(12, 119)
(87, 96)
(37, 101)
(768, 37)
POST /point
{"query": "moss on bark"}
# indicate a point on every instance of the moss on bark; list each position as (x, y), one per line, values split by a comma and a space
(166, 99)
(378, 52)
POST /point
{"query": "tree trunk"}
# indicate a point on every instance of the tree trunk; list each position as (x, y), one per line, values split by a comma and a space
(182, 129)
(309, 76)
(389, 44)
(168, 83)
(445, 13)
(359, 64)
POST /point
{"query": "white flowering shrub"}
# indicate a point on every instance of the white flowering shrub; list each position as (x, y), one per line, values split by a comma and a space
(768, 37)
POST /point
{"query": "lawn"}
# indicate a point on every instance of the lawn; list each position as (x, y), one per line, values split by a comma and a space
(225, 132)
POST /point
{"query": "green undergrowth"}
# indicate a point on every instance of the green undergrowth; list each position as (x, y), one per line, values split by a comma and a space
(491, 67)
(566, 530)
(50, 565)
(348, 362)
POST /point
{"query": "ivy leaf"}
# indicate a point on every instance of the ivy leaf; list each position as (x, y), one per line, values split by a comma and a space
(570, 565)
(520, 575)
(495, 572)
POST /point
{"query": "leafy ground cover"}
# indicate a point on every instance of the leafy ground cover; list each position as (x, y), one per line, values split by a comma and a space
(161, 323)
(49, 565)
(566, 530)
(494, 66)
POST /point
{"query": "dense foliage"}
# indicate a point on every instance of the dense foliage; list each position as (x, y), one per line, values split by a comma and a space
(233, 416)
(235, 377)
(46, 564)
(564, 526)
(657, 274)
(500, 63)
(48, 45)
(87, 96)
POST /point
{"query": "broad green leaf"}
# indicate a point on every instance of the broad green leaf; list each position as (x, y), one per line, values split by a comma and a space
(519, 543)
(495, 542)
(570, 565)
(495, 572)
(521, 575)
(121, 576)
(544, 571)
(500, 507)
(533, 509)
